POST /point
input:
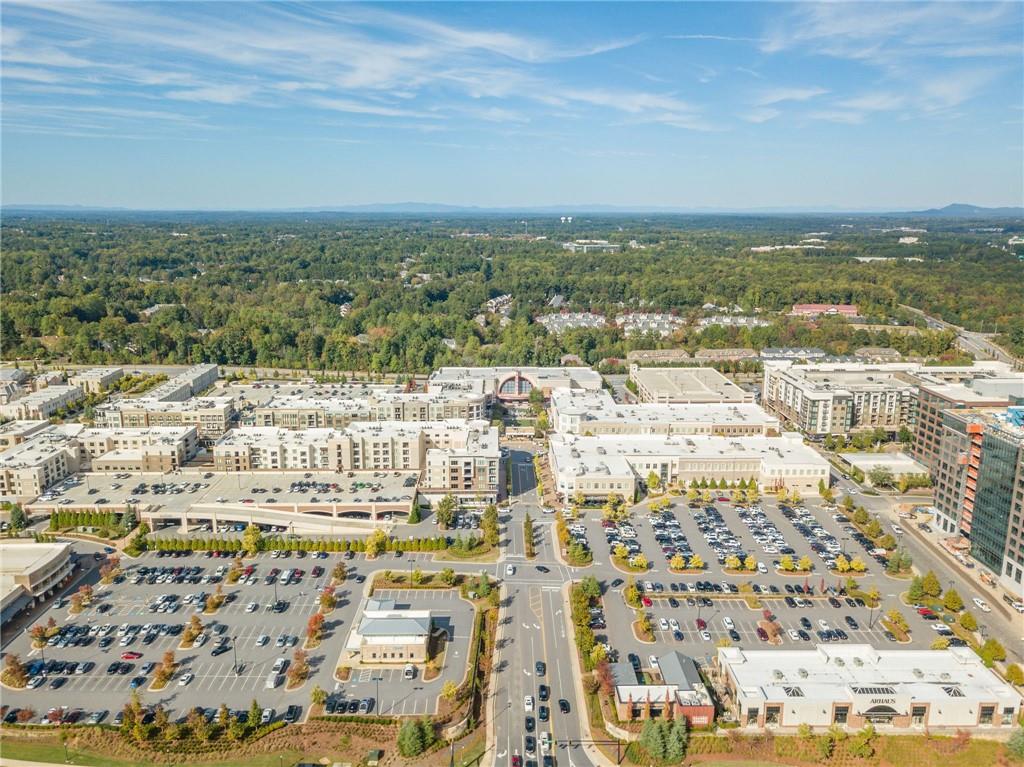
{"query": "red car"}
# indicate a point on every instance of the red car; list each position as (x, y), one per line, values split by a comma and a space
(131, 655)
(762, 634)
(646, 601)
(517, 760)
(701, 624)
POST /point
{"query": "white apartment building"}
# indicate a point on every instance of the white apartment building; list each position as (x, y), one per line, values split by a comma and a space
(42, 403)
(597, 466)
(210, 415)
(96, 380)
(840, 398)
(184, 385)
(591, 413)
(153, 448)
(458, 456)
(15, 432)
(29, 468)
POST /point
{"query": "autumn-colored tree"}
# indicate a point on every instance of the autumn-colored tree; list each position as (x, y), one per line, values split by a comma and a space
(315, 627)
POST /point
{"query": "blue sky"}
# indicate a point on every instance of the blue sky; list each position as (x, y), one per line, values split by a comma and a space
(721, 105)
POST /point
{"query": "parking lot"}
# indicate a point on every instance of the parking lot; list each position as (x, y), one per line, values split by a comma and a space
(714, 532)
(244, 640)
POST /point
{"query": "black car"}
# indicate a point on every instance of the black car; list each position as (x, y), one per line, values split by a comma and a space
(541, 668)
(529, 744)
(542, 713)
(57, 682)
(542, 569)
(543, 693)
(673, 602)
(563, 705)
(851, 622)
(113, 667)
(292, 714)
(616, 583)
(220, 650)
(806, 623)
(529, 724)
(734, 635)
(634, 661)
(353, 705)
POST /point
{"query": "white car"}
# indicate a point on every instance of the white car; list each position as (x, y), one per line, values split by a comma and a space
(200, 640)
(653, 660)
(673, 624)
(252, 607)
(663, 624)
(823, 624)
(762, 568)
(793, 635)
(706, 636)
(728, 623)
(510, 570)
(261, 640)
(185, 679)
(982, 605)
(545, 742)
(528, 703)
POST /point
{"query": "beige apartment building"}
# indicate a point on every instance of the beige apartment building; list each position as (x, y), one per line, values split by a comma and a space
(210, 415)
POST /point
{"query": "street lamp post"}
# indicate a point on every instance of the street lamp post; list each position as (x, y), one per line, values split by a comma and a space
(234, 653)
(377, 680)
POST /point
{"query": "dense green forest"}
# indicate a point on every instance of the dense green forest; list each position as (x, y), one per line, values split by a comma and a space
(268, 290)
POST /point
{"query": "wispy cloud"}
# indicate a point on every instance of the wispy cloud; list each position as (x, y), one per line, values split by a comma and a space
(760, 115)
(778, 95)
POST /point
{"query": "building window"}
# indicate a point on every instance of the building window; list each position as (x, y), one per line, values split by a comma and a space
(772, 714)
(987, 713)
(1008, 713)
(841, 714)
(917, 714)
(752, 714)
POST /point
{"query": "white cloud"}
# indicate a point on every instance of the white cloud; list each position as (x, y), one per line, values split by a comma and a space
(215, 94)
(778, 95)
(760, 115)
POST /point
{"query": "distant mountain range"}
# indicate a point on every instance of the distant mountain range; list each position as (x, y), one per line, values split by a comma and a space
(955, 210)
(963, 210)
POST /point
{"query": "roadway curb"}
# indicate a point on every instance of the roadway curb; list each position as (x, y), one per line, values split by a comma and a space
(593, 752)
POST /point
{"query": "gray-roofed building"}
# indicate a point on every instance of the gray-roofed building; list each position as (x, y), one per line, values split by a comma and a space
(681, 692)
(386, 634)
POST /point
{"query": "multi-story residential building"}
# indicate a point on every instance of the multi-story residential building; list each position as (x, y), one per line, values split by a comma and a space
(153, 448)
(29, 468)
(793, 353)
(96, 380)
(193, 381)
(732, 321)
(42, 403)
(979, 487)
(685, 385)
(589, 413)
(428, 406)
(338, 406)
(462, 457)
(598, 466)
(210, 415)
(470, 469)
(839, 399)
(15, 432)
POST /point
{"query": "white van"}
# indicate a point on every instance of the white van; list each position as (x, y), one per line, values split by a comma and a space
(409, 672)
(285, 578)
(273, 680)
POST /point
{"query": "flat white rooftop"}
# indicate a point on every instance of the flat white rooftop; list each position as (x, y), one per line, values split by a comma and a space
(840, 671)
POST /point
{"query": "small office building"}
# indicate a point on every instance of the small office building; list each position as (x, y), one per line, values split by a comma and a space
(855, 684)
